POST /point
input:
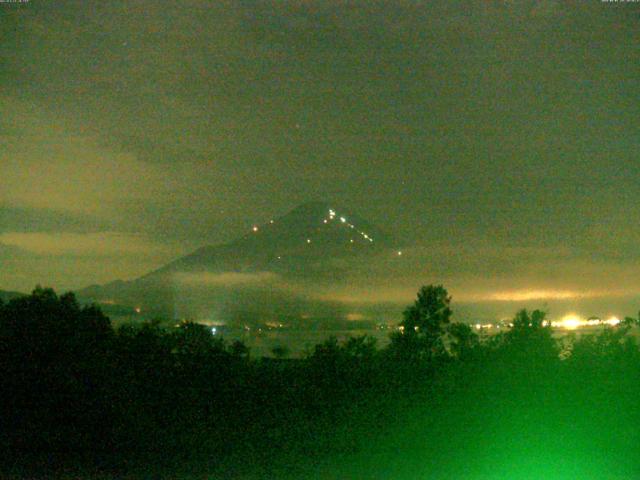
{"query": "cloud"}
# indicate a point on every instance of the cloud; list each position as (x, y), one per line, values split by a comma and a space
(46, 164)
(546, 8)
(103, 244)
(525, 295)
(10, 252)
(227, 279)
(26, 219)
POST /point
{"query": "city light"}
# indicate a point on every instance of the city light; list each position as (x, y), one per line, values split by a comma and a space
(571, 322)
(613, 321)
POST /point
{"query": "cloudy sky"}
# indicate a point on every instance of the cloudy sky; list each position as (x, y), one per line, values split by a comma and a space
(498, 138)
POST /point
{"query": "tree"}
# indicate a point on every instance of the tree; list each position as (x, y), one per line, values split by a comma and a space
(531, 338)
(280, 351)
(238, 349)
(55, 358)
(423, 327)
(196, 340)
(463, 340)
(630, 321)
(362, 347)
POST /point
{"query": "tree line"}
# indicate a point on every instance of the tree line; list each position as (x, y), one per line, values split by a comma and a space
(81, 396)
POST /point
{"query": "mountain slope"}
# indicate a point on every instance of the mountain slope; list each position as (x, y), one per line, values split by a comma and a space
(270, 265)
(296, 243)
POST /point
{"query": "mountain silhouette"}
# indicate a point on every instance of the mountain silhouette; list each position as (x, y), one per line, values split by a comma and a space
(296, 243)
(313, 242)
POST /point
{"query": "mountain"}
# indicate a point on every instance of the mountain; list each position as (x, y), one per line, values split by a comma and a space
(269, 270)
(296, 244)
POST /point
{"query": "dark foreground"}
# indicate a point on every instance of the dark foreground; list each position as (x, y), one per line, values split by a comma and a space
(80, 400)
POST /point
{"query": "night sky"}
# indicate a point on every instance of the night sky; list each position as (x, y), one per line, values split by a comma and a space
(498, 140)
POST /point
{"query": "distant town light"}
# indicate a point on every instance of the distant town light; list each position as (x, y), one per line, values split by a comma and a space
(613, 321)
(571, 322)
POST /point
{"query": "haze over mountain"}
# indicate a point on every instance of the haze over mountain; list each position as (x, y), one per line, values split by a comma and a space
(283, 268)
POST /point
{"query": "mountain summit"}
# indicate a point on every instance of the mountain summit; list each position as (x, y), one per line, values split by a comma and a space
(313, 242)
(306, 236)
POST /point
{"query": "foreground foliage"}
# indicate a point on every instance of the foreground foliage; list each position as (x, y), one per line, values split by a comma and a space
(439, 402)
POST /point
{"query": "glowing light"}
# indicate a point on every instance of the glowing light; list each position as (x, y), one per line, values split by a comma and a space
(351, 240)
(351, 226)
(571, 322)
(308, 240)
(613, 321)
(213, 330)
(343, 220)
(138, 309)
(524, 295)
(255, 228)
(325, 220)
(270, 221)
(399, 253)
